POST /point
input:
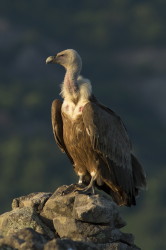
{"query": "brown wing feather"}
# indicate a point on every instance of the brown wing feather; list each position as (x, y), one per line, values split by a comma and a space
(107, 133)
(109, 138)
(57, 125)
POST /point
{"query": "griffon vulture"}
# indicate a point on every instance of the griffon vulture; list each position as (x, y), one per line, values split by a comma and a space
(94, 137)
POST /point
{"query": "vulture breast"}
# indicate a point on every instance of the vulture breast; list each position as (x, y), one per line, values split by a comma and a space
(77, 140)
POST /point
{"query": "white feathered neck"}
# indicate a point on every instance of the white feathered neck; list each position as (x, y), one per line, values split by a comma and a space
(83, 92)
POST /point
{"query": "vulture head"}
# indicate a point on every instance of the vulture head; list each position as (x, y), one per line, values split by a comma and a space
(69, 59)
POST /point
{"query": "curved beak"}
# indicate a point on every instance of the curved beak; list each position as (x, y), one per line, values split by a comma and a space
(51, 59)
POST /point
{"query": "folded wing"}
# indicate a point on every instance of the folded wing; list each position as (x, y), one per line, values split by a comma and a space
(57, 125)
(109, 139)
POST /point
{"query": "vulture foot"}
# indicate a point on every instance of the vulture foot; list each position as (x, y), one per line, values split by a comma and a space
(72, 188)
(87, 191)
(90, 189)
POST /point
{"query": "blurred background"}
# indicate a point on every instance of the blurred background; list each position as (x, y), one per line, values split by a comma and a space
(123, 47)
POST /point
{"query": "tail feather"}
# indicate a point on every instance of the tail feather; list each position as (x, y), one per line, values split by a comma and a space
(118, 183)
(119, 197)
(123, 186)
(139, 175)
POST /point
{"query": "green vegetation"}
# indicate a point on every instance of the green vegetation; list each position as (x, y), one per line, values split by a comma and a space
(122, 44)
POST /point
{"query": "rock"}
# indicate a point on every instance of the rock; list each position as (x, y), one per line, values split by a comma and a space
(117, 246)
(91, 218)
(66, 244)
(60, 204)
(93, 209)
(61, 222)
(97, 209)
(34, 200)
(20, 218)
(24, 239)
(78, 231)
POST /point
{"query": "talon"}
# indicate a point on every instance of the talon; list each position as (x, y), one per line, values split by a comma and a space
(70, 189)
(90, 189)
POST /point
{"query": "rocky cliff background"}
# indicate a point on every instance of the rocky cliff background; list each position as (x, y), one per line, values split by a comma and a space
(123, 47)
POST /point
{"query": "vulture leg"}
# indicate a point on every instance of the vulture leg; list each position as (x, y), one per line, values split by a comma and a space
(80, 181)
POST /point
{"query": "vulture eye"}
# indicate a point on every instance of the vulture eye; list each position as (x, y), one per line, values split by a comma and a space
(61, 55)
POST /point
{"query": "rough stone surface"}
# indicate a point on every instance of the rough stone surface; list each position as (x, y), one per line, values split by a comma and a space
(97, 209)
(93, 209)
(117, 246)
(76, 230)
(66, 244)
(60, 204)
(34, 200)
(24, 239)
(97, 233)
(71, 221)
(20, 218)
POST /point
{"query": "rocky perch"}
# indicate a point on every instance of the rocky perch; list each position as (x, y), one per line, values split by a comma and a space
(64, 222)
